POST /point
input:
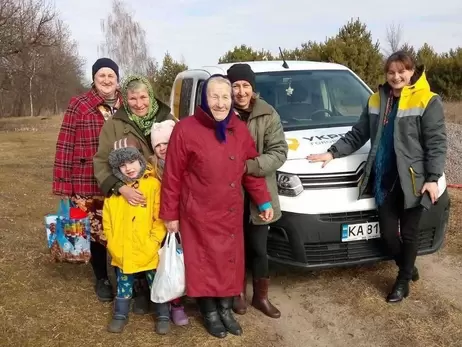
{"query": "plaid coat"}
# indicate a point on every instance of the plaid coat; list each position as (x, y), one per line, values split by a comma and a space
(76, 145)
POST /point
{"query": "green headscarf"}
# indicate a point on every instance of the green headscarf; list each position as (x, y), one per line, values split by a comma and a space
(144, 123)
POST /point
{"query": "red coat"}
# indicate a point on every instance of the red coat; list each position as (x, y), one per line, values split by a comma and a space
(76, 145)
(202, 188)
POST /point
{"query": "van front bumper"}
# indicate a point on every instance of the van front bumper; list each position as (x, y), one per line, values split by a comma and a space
(314, 240)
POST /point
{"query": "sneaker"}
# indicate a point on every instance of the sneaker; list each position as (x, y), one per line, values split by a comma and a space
(179, 317)
(103, 289)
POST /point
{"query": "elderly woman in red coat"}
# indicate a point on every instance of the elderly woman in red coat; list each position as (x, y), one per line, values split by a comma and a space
(202, 198)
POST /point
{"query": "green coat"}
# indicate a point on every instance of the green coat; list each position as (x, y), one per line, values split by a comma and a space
(116, 128)
(266, 129)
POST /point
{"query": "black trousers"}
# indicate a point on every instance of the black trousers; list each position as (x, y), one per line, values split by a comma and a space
(255, 237)
(98, 260)
(402, 244)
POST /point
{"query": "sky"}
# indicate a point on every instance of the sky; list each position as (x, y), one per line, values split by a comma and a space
(200, 31)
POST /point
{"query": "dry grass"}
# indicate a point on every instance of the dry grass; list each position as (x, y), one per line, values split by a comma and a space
(454, 235)
(29, 124)
(48, 304)
(425, 319)
(430, 317)
(453, 112)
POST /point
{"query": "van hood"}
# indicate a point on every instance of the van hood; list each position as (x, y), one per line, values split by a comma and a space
(314, 141)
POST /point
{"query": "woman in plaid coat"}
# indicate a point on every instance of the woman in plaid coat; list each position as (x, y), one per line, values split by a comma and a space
(73, 174)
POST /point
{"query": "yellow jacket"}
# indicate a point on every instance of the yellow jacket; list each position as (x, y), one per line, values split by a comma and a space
(134, 233)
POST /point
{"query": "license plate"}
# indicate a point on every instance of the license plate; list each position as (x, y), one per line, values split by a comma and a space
(361, 231)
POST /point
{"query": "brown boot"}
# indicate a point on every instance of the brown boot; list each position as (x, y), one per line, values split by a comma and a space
(239, 303)
(260, 298)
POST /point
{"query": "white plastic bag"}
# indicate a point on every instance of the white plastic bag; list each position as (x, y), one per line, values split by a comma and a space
(169, 281)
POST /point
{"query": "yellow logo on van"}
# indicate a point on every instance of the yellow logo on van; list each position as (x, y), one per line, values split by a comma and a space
(293, 144)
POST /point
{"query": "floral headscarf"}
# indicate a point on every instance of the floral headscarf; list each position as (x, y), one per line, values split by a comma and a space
(143, 123)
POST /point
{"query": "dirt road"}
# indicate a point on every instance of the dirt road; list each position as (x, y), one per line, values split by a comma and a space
(346, 307)
(47, 304)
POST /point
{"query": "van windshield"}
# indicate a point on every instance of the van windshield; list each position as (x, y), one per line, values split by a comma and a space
(313, 99)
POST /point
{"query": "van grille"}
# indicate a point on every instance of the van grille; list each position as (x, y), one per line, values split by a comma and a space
(356, 250)
(340, 252)
(333, 180)
(351, 217)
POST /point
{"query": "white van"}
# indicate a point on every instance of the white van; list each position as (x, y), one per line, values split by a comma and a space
(323, 223)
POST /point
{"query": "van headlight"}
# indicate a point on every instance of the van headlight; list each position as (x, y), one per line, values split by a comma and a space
(289, 184)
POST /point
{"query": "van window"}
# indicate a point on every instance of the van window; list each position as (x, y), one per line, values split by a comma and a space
(313, 98)
(200, 84)
(176, 96)
(345, 99)
(185, 99)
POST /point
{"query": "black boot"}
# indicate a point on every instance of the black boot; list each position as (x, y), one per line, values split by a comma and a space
(141, 296)
(399, 292)
(120, 316)
(224, 309)
(212, 320)
(103, 289)
(415, 272)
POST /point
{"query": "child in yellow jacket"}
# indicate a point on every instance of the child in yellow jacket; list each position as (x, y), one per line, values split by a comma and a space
(134, 232)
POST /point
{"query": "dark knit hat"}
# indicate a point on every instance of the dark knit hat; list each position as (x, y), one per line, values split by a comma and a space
(125, 150)
(241, 72)
(104, 62)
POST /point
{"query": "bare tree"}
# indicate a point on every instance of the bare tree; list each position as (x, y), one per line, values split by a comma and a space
(36, 19)
(32, 72)
(393, 38)
(29, 25)
(64, 67)
(125, 40)
(9, 10)
(39, 65)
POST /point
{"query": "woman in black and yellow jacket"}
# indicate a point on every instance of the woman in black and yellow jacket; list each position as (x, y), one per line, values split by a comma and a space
(405, 122)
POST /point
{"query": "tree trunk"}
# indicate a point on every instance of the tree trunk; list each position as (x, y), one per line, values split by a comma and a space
(31, 98)
(56, 101)
(31, 79)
